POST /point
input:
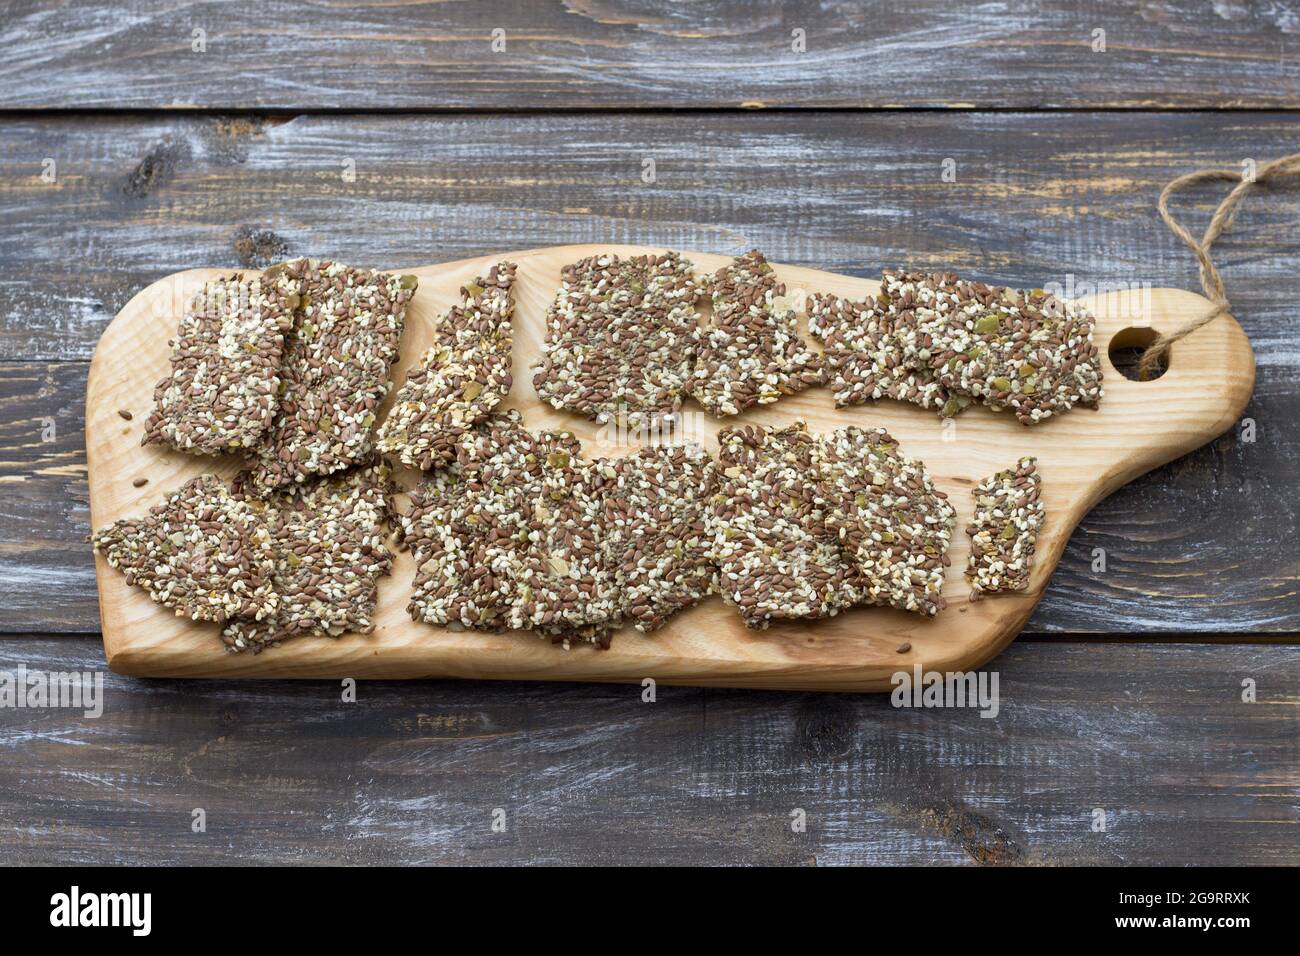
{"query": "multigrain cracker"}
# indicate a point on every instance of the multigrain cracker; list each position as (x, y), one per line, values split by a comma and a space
(655, 530)
(221, 393)
(943, 342)
(202, 552)
(893, 525)
(460, 379)
(1027, 351)
(864, 358)
(328, 537)
(335, 371)
(509, 537)
(564, 576)
(777, 559)
(466, 525)
(751, 353)
(441, 546)
(1008, 517)
(621, 338)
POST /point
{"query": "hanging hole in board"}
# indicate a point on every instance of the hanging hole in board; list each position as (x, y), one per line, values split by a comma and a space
(1126, 350)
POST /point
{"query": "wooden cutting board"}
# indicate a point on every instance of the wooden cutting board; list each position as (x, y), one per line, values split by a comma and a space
(1083, 456)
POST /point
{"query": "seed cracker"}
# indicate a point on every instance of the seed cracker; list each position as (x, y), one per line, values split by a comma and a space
(893, 525)
(330, 553)
(335, 371)
(1024, 350)
(1027, 351)
(655, 526)
(509, 537)
(202, 552)
(621, 338)
(751, 353)
(777, 558)
(464, 528)
(1009, 514)
(564, 576)
(864, 359)
(460, 379)
(221, 393)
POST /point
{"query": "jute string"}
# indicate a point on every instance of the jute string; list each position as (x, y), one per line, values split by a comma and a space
(1221, 220)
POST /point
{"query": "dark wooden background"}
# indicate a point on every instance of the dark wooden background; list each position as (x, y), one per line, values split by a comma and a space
(1123, 693)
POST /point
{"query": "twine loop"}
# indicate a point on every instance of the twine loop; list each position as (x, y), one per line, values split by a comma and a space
(1211, 282)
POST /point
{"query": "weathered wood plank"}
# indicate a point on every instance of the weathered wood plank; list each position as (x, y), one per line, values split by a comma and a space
(412, 772)
(624, 54)
(47, 574)
(1037, 198)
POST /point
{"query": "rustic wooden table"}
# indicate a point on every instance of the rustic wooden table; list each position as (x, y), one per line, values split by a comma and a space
(139, 139)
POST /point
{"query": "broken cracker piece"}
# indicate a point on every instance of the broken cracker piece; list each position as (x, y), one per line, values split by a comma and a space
(1029, 352)
(330, 553)
(508, 537)
(1009, 514)
(751, 353)
(202, 551)
(222, 391)
(777, 558)
(863, 356)
(893, 525)
(465, 524)
(621, 337)
(460, 379)
(564, 577)
(335, 371)
(656, 514)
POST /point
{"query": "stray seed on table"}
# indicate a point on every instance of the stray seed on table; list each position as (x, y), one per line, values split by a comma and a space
(904, 647)
(140, 482)
(125, 414)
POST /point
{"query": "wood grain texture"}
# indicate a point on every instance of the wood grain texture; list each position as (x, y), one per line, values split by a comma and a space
(1082, 456)
(411, 772)
(630, 54)
(1204, 544)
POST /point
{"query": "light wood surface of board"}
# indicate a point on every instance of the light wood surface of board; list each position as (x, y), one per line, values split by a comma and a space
(1082, 455)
